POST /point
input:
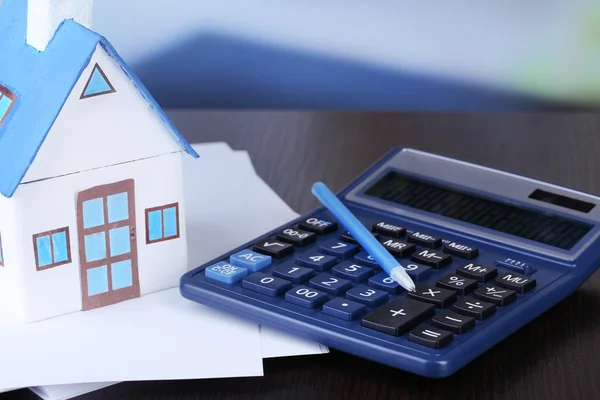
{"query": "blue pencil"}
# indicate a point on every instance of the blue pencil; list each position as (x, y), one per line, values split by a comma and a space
(366, 239)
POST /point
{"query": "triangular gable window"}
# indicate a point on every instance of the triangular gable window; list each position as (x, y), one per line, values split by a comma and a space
(7, 100)
(97, 85)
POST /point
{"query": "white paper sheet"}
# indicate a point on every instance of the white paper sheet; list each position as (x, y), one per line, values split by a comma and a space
(139, 339)
(226, 174)
(278, 344)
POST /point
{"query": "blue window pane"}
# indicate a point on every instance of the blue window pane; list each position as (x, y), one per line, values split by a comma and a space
(44, 251)
(122, 275)
(97, 280)
(155, 225)
(97, 85)
(119, 241)
(170, 221)
(93, 213)
(5, 102)
(95, 246)
(118, 207)
(59, 245)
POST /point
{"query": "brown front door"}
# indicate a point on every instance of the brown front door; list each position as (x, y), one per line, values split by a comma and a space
(107, 244)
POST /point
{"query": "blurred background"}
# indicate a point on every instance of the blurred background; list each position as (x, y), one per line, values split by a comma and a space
(346, 54)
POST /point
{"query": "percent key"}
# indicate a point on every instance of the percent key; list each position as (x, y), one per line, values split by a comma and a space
(459, 284)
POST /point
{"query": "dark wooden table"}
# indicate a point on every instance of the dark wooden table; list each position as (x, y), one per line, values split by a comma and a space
(556, 356)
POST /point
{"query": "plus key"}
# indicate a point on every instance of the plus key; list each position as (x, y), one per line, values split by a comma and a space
(398, 316)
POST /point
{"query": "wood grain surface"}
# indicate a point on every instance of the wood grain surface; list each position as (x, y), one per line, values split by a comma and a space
(557, 356)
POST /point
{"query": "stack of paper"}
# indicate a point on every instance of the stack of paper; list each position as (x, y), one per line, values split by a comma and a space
(162, 336)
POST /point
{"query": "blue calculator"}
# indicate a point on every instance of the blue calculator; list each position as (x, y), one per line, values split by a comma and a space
(489, 251)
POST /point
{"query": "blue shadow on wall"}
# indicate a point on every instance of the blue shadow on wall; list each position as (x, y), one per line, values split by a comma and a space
(216, 71)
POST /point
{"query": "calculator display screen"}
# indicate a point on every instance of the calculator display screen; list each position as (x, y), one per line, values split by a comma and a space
(546, 228)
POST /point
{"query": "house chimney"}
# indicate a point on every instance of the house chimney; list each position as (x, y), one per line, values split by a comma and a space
(44, 17)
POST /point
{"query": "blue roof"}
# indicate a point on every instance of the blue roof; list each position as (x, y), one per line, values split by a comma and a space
(42, 81)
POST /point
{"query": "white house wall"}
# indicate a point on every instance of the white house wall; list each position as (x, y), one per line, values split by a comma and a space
(12, 295)
(102, 130)
(51, 204)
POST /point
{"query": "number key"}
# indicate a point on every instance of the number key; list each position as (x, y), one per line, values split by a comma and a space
(347, 237)
(318, 262)
(367, 296)
(306, 297)
(274, 248)
(382, 281)
(416, 271)
(330, 284)
(266, 284)
(339, 249)
(293, 273)
(365, 258)
(354, 272)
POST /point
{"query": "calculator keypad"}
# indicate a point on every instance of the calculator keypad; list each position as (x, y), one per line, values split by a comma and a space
(321, 268)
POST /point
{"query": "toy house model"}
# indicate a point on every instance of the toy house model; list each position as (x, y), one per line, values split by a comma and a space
(91, 180)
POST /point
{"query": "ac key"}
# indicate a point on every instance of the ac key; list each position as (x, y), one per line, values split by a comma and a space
(439, 297)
